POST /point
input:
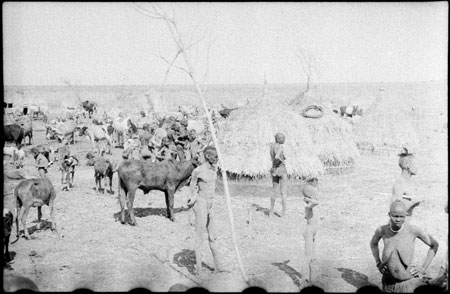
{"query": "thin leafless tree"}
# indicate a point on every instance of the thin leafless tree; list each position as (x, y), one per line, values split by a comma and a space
(187, 66)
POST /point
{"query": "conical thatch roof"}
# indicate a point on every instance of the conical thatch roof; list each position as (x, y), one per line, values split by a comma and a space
(386, 125)
(245, 139)
(332, 136)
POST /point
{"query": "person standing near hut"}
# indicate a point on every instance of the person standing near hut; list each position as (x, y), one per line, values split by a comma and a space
(404, 189)
(204, 177)
(400, 275)
(279, 172)
(310, 195)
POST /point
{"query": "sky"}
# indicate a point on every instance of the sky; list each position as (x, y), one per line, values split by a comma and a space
(51, 43)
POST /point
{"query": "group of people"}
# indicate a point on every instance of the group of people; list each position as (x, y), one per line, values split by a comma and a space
(395, 263)
(171, 140)
(398, 235)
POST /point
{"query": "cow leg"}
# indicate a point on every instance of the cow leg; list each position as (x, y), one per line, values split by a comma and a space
(38, 225)
(97, 180)
(110, 184)
(51, 204)
(24, 221)
(18, 208)
(7, 257)
(100, 184)
(169, 202)
(72, 174)
(122, 201)
(130, 198)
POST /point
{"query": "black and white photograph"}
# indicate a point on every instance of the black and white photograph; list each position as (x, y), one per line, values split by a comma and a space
(229, 146)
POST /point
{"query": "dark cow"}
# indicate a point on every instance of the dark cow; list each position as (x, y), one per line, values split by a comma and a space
(7, 224)
(27, 125)
(90, 107)
(34, 193)
(103, 169)
(13, 133)
(167, 176)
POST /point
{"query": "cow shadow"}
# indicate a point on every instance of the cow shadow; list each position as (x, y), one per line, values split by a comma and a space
(148, 211)
(45, 225)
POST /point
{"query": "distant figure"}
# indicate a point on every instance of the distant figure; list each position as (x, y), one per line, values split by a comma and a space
(311, 197)
(42, 163)
(167, 151)
(404, 188)
(399, 274)
(279, 172)
(204, 178)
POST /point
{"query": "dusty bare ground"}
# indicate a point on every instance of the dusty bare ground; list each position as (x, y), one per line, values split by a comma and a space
(95, 251)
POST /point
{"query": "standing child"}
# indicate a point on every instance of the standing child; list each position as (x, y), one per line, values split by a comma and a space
(279, 172)
(310, 195)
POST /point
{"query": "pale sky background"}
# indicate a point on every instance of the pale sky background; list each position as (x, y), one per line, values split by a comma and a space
(110, 43)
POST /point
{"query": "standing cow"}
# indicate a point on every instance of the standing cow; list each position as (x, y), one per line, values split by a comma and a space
(103, 168)
(167, 176)
(13, 133)
(26, 123)
(34, 193)
(123, 127)
(90, 107)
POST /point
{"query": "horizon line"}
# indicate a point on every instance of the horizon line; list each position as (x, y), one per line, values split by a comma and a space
(224, 84)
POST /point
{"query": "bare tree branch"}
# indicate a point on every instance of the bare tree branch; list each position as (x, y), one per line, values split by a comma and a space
(182, 50)
(172, 65)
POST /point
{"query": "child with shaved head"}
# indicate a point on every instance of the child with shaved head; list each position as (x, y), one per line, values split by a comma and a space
(395, 264)
(404, 189)
(311, 197)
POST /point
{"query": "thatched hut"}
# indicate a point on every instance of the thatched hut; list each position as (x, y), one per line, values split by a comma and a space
(245, 138)
(386, 127)
(332, 136)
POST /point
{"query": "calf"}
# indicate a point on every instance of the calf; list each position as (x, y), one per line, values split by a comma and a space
(7, 224)
(27, 125)
(34, 193)
(103, 169)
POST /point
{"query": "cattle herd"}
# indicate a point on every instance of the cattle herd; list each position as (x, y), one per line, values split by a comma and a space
(159, 152)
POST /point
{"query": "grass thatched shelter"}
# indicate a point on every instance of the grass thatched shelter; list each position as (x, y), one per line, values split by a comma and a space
(246, 135)
(386, 127)
(332, 136)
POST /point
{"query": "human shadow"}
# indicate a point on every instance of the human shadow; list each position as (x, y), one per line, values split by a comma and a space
(186, 258)
(354, 278)
(290, 271)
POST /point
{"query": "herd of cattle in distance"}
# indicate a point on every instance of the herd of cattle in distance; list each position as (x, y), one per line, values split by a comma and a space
(134, 173)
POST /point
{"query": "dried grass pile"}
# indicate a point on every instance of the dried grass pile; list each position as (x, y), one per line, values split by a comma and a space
(387, 125)
(332, 136)
(245, 139)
